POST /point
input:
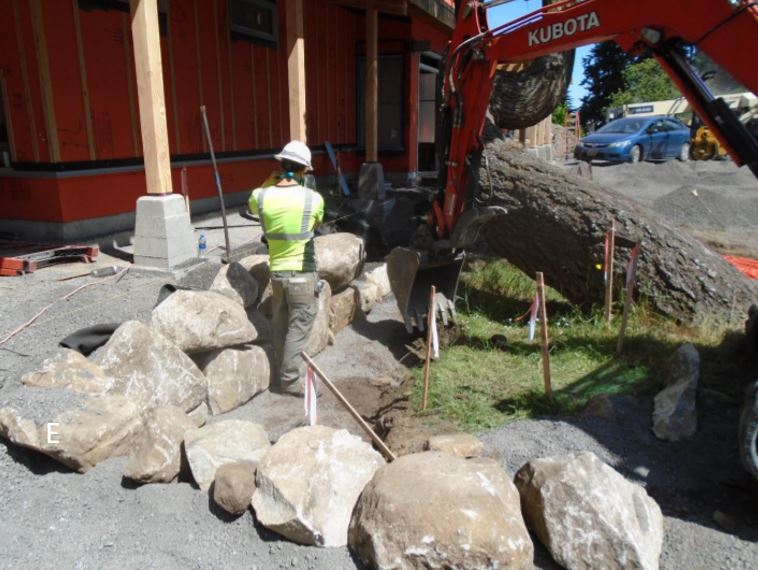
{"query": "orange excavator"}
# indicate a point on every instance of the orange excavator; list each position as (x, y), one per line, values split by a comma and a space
(726, 30)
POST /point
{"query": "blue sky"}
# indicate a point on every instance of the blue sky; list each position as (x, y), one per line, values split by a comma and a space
(511, 10)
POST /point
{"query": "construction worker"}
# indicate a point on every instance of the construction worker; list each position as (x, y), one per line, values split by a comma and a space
(289, 212)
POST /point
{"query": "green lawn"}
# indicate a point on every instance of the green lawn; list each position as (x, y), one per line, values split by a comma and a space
(481, 386)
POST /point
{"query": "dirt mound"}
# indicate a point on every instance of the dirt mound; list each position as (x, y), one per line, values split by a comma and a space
(702, 207)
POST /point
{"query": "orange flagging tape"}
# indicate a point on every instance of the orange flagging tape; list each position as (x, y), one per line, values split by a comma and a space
(746, 265)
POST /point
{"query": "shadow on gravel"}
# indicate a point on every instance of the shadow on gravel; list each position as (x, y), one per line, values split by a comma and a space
(37, 463)
(389, 332)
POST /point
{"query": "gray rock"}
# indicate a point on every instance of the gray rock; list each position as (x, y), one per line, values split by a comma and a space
(309, 482)
(434, 510)
(199, 321)
(258, 267)
(262, 324)
(235, 282)
(339, 258)
(199, 415)
(588, 516)
(149, 369)
(71, 370)
(156, 457)
(234, 376)
(228, 441)
(342, 308)
(378, 276)
(81, 436)
(366, 293)
(234, 486)
(460, 444)
(320, 335)
(675, 412)
(599, 406)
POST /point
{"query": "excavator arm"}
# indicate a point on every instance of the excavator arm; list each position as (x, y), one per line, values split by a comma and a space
(726, 30)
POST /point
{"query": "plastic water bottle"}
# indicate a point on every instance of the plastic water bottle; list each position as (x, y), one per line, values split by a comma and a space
(201, 246)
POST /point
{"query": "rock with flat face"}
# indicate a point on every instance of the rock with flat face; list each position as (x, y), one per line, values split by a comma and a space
(234, 281)
(378, 276)
(307, 485)
(320, 334)
(149, 369)
(228, 441)
(263, 325)
(342, 307)
(258, 267)
(434, 510)
(199, 415)
(366, 293)
(339, 258)
(71, 370)
(588, 516)
(78, 431)
(460, 444)
(234, 486)
(156, 456)
(199, 321)
(234, 376)
(675, 411)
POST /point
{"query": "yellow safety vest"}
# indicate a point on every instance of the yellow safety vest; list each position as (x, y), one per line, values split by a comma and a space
(288, 215)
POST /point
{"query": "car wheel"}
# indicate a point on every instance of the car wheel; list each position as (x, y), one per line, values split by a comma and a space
(684, 152)
(635, 154)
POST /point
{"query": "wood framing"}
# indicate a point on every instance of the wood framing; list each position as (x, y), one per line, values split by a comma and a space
(43, 65)
(219, 76)
(8, 115)
(152, 103)
(83, 80)
(25, 79)
(296, 69)
(372, 85)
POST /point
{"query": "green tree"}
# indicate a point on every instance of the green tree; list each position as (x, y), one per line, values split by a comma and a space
(644, 81)
(603, 76)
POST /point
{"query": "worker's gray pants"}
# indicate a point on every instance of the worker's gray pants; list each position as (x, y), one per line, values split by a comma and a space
(295, 307)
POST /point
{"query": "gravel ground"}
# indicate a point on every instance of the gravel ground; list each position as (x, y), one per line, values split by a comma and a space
(52, 518)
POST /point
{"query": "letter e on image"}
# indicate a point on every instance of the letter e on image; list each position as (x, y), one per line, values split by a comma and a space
(51, 439)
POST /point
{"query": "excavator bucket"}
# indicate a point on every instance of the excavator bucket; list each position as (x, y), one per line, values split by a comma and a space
(412, 274)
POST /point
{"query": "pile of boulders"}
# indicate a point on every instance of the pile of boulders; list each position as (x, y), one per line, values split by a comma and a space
(203, 352)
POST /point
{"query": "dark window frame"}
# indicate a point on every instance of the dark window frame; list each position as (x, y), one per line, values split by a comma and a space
(243, 33)
(360, 111)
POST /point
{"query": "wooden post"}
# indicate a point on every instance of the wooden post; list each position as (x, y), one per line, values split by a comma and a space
(46, 84)
(372, 84)
(428, 356)
(351, 410)
(152, 103)
(609, 267)
(522, 137)
(628, 291)
(296, 69)
(544, 336)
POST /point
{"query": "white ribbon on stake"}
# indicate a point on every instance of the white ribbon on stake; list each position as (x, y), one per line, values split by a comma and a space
(534, 310)
(435, 334)
(311, 398)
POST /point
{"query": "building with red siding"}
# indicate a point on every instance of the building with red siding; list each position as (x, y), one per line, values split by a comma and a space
(71, 148)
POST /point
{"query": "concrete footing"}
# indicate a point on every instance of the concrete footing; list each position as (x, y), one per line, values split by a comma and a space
(371, 181)
(163, 236)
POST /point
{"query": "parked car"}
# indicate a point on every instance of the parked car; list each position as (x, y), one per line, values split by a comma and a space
(632, 139)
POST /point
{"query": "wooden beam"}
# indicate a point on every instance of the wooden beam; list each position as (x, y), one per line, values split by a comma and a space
(394, 7)
(296, 69)
(46, 85)
(172, 81)
(372, 85)
(84, 82)
(219, 75)
(25, 79)
(8, 116)
(152, 102)
(199, 63)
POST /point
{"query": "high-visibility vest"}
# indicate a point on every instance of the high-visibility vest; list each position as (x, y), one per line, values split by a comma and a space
(288, 215)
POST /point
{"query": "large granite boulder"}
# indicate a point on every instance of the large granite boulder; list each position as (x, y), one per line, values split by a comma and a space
(339, 258)
(76, 430)
(157, 453)
(228, 441)
(434, 510)
(258, 267)
(199, 321)
(234, 281)
(307, 485)
(675, 411)
(149, 369)
(71, 370)
(234, 376)
(342, 310)
(320, 335)
(588, 516)
(460, 444)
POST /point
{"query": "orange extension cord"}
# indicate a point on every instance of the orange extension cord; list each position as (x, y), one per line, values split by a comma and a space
(746, 265)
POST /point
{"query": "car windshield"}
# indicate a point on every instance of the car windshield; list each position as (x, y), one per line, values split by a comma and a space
(624, 126)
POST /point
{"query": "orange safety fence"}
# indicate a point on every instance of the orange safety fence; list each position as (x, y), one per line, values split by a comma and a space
(746, 265)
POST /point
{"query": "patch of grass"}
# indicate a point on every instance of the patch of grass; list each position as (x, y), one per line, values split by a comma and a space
(481, 385)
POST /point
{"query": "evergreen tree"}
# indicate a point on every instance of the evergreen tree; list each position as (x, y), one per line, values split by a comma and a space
(645, 81)
(603, 76)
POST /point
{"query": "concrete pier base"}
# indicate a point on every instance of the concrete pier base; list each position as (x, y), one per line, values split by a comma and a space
(163, 235)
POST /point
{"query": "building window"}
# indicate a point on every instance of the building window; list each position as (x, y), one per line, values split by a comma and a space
(123, 6)
(254, 20)
(390, 105)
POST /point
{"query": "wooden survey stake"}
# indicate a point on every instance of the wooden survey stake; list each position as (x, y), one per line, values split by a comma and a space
(544, 336)
(610, 241)
(428, 356)
(631, 268)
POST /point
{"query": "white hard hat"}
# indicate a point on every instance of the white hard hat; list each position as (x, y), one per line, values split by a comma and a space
(297, 152)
